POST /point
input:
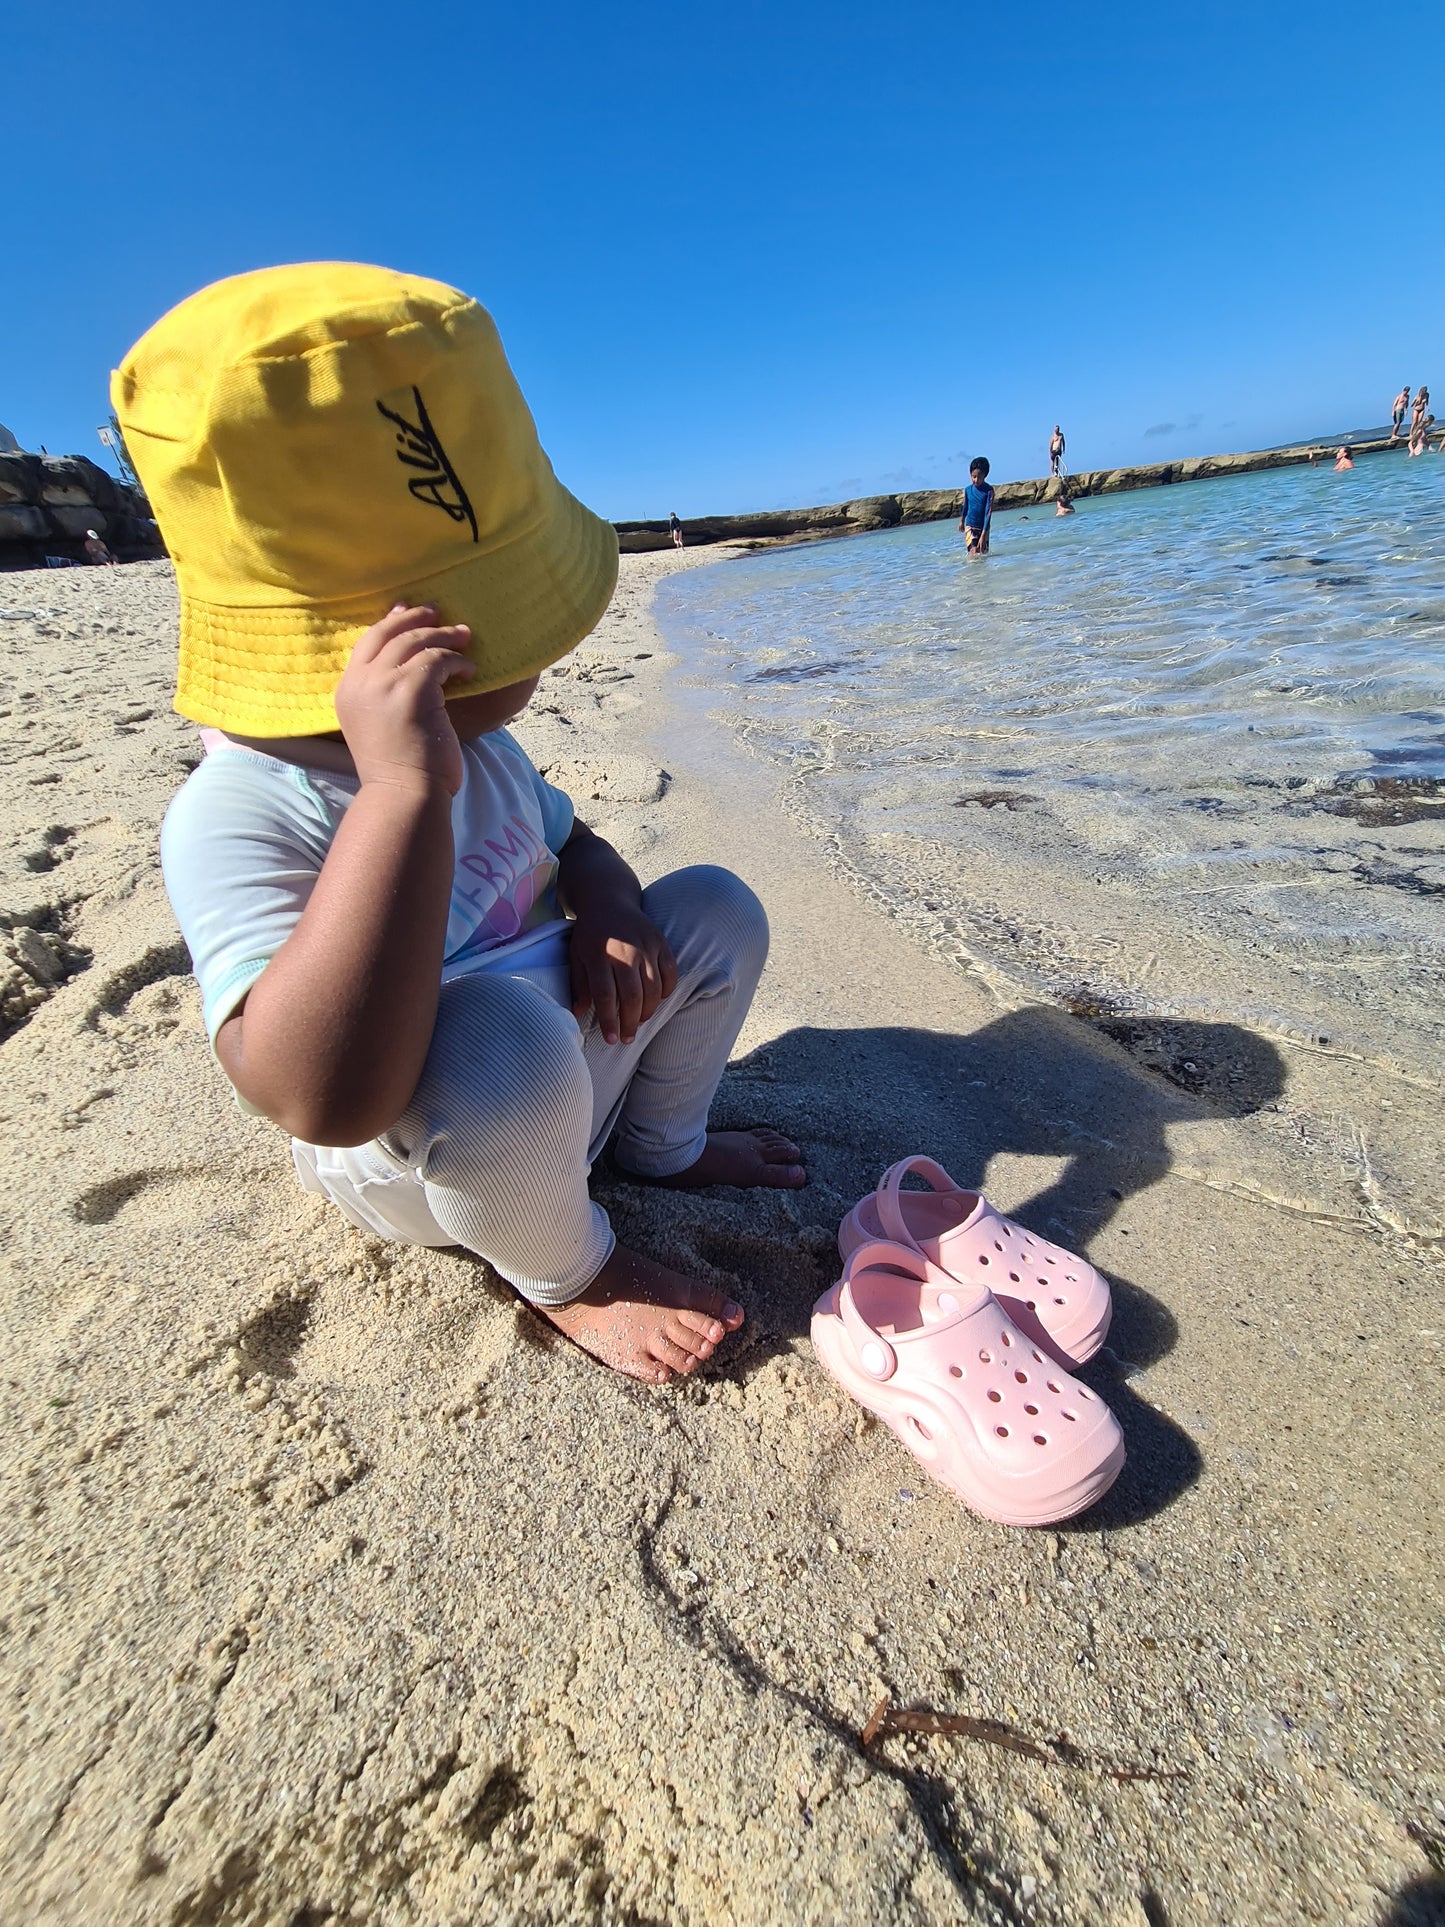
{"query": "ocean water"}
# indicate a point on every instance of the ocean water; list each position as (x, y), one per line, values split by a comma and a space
(1182, 752)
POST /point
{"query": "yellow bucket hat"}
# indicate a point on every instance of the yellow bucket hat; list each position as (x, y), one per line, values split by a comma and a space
(320, 442)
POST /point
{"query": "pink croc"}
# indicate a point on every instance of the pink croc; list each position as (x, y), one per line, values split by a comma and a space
(1059, 1300)
(984, 1409)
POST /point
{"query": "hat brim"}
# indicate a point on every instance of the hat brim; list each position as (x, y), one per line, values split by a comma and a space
(273, 671)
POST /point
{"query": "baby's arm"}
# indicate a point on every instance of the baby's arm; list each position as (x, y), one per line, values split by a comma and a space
(331, 1039)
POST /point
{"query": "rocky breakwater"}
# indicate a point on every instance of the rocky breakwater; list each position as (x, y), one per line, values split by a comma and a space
(47, 502)
(871, 512)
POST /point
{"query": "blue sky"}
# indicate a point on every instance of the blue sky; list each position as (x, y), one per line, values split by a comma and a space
(766, 254)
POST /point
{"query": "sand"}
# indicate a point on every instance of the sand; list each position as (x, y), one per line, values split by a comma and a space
(335, 1588)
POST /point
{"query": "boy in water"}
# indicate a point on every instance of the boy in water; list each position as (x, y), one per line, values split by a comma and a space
(977, 507)
(412, 956)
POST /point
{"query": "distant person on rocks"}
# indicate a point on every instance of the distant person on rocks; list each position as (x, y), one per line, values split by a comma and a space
(1343, 459)
(1400, 410)
(977, 507)
(1421, 407)
(674, 529)
(96, 550)
(1065, 507)
(1056, 451)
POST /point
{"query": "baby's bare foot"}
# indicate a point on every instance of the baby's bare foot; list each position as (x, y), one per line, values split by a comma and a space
(645, 1320)
(744, 1158)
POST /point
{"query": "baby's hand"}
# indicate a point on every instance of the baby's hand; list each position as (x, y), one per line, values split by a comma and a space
(621, 969)
(391, 700)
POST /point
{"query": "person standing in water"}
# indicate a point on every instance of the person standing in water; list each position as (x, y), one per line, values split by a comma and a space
(1065, 507)
(1343, 459)
(1056, 451)
(1399, 411)
(977, 507)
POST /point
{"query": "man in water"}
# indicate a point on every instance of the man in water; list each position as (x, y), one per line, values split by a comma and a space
(1056, 450)
(977, 507)
(1343, 459)
(1065, 507)
(1401, 410)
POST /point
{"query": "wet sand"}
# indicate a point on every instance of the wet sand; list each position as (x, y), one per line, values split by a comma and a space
(336, 1587)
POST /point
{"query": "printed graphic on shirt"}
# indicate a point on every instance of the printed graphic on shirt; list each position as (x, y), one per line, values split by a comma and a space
(500, 889)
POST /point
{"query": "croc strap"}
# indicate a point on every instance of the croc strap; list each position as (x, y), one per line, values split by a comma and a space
(890, 1210)
(872, 1350)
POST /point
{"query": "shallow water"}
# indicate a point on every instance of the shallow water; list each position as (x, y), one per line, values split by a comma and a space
(1182, 751)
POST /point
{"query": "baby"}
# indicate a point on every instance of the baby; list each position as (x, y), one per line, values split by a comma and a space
(412, 956)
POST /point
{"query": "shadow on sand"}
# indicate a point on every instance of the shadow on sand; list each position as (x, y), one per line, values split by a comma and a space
(1036, 1083)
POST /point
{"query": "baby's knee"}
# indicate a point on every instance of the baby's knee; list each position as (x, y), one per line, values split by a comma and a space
(505, 1067)
(706, 905)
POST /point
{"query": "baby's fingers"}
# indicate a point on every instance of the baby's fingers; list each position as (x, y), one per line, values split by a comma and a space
(604, 998)
(396, 622)
(454, 637)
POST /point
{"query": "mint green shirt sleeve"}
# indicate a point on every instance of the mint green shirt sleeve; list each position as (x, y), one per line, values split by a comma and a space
(242, 845)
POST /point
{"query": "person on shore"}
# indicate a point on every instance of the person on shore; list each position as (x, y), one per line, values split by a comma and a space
(413, 956)
(674, 529)
(1056, 451)
(1343, 459)
(1065, 507)
(977, 514)
(96, 551)
(1400, 409)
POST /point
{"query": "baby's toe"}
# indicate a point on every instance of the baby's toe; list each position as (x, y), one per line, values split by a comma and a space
(694, 1326)
(668, 1352)
(776, 1148)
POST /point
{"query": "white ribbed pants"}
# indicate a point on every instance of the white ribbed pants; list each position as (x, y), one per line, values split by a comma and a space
(516, 1099)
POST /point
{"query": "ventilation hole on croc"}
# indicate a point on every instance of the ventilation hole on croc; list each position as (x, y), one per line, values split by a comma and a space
(1039, 1439)
(981, 1259)
(1061, 1301)
(1071, 1416)
(1005, 1338)
(1038, 1356)
(996, 1245)
(922, 1430)
(1050, 1261)
(994, 1398)
(1052, 1387)
(1032, 1410)
(985, 1358)
(1031, 1305)
(1022, 1377)
(1002, 1431)
(1084, 1392)
(955, 1371)
(1014, 1278)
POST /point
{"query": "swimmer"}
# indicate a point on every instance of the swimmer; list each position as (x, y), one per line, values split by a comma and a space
(1065, 507)
(977, 507)
(1343, 459)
